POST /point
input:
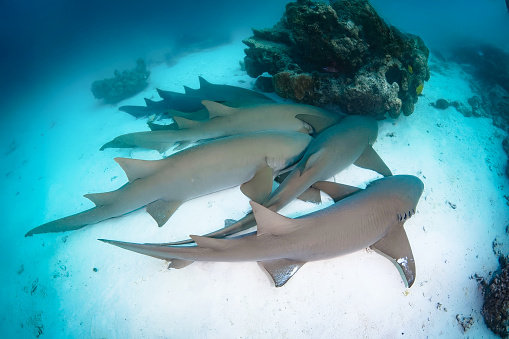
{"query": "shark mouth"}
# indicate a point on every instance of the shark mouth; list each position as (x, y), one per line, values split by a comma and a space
(407, 215)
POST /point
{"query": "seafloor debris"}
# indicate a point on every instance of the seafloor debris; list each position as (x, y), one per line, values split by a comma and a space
(340, 56)
(465, 322)
(125, 84)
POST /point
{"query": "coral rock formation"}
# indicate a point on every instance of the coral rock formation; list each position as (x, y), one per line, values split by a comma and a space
(341, 56)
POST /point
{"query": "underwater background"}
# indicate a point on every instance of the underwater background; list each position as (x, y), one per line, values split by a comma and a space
(66, 285)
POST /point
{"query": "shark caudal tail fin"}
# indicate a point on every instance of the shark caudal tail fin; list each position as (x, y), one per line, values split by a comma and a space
(154, 250)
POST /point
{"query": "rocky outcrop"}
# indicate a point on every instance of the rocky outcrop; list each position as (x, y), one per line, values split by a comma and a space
(341, 56)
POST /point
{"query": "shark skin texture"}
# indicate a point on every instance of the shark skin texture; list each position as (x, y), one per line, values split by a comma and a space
(189, 104)
(373, 217)
(346, 143)
(226, 121)
(250, 160)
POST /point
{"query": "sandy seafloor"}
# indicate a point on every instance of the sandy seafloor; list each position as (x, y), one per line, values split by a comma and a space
(71, 285)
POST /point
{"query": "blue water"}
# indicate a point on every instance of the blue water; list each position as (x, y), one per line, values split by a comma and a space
(51, 51)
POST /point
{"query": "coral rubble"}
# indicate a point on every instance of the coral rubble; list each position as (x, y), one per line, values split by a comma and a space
(496, 300)
(341, 56)
(125, 84)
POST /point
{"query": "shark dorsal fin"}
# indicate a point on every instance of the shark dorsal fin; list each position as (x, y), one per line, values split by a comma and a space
(334, 190)
(162, 210)
(136, 169)
(260, 186)
(306, 164)
(184, 123)
(149, 102)
(203, 83)
(189, 90)
(212, 243)
(218, 110)
(270, 222)
(369, 159)
(396, 247)
(281, 270)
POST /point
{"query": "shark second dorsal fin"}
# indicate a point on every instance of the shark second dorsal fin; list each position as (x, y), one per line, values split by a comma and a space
(334, 190)
(306, 164)
(260, 186)
(136, 169)
(281, 270)
(203, 83)
(369, 159)
(162, 210)
(270, 222)
(184, 123)
(396, 247)
(218, 110)
(189, 90)
(212, 243)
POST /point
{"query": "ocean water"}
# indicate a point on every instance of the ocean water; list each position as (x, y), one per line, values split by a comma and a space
(70, 285)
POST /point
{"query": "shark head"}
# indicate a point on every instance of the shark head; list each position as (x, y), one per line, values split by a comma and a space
(404, 192)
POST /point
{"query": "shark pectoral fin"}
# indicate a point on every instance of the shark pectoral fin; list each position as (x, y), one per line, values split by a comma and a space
(303, 166)
(311, 195)
(270, 222)
(218, 110)
(281, 270)
(162, 210)
(179, 263)
(281, 177)
(260, 186)
(136, 169)
(334, 190)
(212, 243)
(318, 123)
(369, 159)
(184, 123)
(395, 247)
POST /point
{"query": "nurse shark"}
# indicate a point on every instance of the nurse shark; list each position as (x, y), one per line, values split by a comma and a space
(373, 217)
(250, 160)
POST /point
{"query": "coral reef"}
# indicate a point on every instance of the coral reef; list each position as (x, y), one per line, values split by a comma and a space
(125, 84)
(341, 56)
(496, 300)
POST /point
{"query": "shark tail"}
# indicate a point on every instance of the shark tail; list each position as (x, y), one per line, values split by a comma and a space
(159, 251)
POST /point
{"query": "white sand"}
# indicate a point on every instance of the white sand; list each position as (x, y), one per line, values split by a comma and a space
(50, 282)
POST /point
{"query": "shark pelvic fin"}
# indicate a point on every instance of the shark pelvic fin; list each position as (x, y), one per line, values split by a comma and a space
(311, 195)
(212, 243)
(318, 123)
(260, 186)
(281, 270)
(218, 110)
(395, 247)
(270, 222)
(184, 123)
(162, 210)
(369, 159)
(160, 127)
(334, 190)
(136, 169)
(179, 263)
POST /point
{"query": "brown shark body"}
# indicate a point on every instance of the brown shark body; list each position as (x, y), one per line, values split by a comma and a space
(231, 121)
(373, 217)
(250, 160)
(348, 142)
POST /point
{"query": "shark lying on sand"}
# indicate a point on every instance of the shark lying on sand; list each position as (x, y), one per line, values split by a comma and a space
(250, 160)
(373, 217)
(189, 104)
(348, 142)
(230, 121)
